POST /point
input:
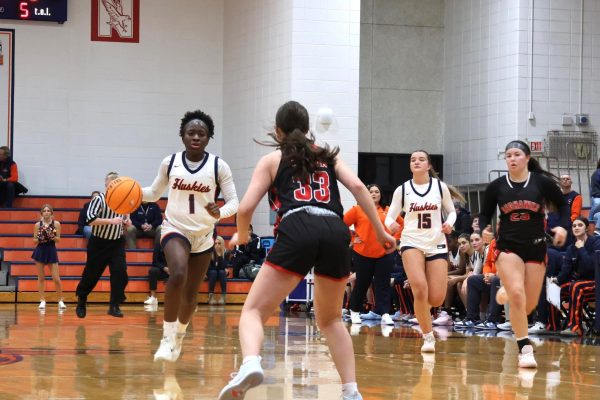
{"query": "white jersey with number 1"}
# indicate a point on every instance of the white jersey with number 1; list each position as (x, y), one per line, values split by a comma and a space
(191, 187)
(423, 219)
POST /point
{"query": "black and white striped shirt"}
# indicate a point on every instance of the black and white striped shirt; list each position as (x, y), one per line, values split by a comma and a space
(99, 209)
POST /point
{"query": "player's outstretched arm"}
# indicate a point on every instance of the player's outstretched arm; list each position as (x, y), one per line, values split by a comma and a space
(363, 198)
(159, 185)
(259, 185)
(394, 210)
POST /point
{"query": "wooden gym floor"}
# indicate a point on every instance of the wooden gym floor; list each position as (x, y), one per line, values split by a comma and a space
(58, 356)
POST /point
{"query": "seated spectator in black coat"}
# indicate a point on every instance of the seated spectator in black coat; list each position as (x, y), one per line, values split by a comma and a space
(577, 275)
(145, 222)
(404, 296)
(547, 319)
(82, 226)
(243, 254)
(217, 271)
(463, 220)
(158, 270)
(9, 179)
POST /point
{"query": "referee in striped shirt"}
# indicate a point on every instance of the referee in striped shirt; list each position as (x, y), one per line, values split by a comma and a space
(105, 247)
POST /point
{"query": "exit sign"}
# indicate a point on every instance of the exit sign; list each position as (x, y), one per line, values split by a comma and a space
(537, 147)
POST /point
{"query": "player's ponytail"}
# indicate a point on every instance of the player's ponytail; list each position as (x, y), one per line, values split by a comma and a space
(297, 144)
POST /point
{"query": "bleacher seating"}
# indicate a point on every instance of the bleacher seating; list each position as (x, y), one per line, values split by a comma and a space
(18, 274)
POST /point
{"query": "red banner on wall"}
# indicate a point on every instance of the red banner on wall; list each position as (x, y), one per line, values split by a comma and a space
(116, 21)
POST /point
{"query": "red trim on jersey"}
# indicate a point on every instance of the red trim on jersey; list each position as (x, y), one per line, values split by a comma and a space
(282, 269)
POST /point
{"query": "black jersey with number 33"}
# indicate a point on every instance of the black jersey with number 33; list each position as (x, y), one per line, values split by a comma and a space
(522, 207)
(321, 190)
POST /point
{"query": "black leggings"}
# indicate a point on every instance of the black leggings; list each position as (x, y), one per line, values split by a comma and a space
(213, 275)
(156, 274)
(372, 270)
(477, 287)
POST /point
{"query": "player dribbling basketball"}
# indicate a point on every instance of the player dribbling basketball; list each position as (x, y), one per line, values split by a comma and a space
(194, 178)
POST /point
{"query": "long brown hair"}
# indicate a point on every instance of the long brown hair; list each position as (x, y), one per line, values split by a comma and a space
(297, 143)
(433, 173)
(464, 258)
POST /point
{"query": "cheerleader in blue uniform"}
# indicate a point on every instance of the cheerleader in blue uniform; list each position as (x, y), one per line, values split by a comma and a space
(46, 233)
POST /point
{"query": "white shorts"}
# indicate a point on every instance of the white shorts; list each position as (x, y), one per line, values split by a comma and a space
(199, 242)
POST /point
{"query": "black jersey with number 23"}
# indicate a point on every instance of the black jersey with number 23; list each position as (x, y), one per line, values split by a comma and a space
(522, 207)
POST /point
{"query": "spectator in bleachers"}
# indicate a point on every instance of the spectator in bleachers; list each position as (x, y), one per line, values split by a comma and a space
(577, 275)
(476, 261)
(463, 219)
(546, 318)
(246, 253)
(455, 276)
(479, 284)
(371, 262)
(595, 192)
(158, 271)
(145, 222)
(475, 223)
(404, 296)
(574, 200)
(9, 179)
(596, 328)
(46, 233)
(453, 252)
(217, 271)
(82, 225)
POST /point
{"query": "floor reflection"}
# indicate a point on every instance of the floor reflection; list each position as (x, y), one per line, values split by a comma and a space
(51, 355)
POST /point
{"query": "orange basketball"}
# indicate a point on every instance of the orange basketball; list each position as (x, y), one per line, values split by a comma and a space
(124, 195)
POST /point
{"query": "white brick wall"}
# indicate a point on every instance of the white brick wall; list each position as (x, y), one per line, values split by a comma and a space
(257, 80)
(556, 65)
(325, 59)
(275, 51)
(481, 85)
(488, 77)
(83, 108)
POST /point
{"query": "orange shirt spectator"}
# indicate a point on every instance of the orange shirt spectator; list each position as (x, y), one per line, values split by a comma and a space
(489, 265)
(365, 241)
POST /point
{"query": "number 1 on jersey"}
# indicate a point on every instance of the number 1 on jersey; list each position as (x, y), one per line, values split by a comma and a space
(192, 204)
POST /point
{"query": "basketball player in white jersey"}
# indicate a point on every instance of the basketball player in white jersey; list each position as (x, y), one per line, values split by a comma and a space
(194, 178)
(424, 200)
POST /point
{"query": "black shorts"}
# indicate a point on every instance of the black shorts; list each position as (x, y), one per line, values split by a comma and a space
(531, 253)
(305, 240)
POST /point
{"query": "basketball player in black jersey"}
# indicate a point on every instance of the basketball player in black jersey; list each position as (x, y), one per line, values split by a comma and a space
(522, 197)
(301, 179)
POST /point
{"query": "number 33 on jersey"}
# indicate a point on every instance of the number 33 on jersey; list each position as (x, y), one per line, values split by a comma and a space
(320, 190)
